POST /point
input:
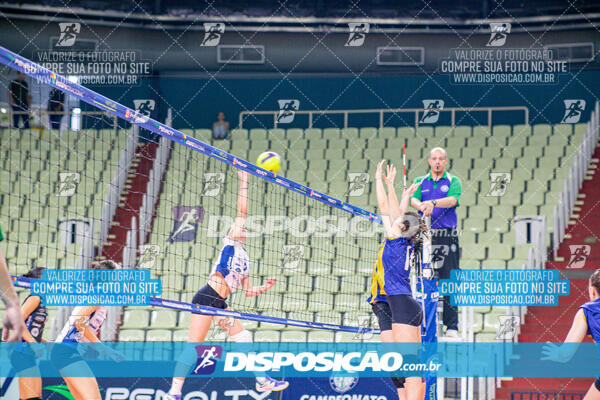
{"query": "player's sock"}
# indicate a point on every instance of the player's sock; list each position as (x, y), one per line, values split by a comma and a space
(243, 337)
(246, 337)
(176, 386)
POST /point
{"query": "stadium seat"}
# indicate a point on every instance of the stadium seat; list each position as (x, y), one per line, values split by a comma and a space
(266, 336)
(293, 336)
(320, 336)
(159, 335)
(133, 319)
(163, 319)
(131, 335)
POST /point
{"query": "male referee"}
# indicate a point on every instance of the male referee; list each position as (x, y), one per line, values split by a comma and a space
(438, 196)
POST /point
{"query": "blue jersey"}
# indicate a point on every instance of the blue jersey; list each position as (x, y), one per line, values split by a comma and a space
(396, 266)
(591, 311)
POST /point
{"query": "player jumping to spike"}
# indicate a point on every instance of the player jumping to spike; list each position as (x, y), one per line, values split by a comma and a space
(401, 228)
(231, 270)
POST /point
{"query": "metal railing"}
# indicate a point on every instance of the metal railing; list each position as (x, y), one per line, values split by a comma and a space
(40, 119)
(153, 187)
(383, 111)
(572, 184)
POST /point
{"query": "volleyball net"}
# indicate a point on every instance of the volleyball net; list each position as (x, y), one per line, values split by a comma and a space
(55, 213)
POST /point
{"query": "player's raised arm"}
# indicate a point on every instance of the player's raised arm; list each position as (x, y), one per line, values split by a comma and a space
(237, 229)
(382, 200)
(251, 291)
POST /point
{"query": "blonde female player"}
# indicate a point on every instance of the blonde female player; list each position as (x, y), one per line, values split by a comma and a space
(23, 359)
(382, 311)
(586, 322)
(400, 228)
(231, 270)
(83, 326)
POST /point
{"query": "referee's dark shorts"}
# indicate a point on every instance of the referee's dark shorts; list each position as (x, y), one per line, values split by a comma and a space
(446, 250)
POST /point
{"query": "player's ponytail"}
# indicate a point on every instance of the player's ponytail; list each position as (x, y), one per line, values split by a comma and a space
(595, 280)
(413, 226)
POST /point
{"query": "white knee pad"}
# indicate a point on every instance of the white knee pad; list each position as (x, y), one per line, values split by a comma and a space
(242, 337)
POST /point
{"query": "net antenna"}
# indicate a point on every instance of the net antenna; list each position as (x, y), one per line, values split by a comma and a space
(404, 163)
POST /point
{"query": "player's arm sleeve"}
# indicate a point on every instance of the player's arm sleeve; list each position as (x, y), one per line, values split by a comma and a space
(417, 194)
(455, 189)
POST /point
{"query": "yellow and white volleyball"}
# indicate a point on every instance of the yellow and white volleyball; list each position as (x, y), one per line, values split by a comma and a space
(270, 161)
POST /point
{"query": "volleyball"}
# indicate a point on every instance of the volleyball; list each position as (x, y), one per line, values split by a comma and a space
(270, 161)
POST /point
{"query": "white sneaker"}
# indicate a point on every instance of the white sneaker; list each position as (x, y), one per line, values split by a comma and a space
(271, 384)
(452, 333)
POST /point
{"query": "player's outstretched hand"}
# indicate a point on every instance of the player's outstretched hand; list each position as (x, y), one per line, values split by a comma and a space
(13, 324)
(411, 190)
(551, 352)
(379, 171)
(270, 283)
(391, 175)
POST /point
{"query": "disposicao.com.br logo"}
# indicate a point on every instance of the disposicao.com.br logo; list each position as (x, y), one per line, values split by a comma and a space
(370, 361)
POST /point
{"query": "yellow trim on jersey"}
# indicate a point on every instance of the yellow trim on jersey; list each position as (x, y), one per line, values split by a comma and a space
(377, 278)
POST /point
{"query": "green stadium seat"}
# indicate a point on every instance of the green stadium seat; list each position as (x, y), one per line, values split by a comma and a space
(500, 251)
(331, 133)
(294, 133)
(473, 251)
(320, 336)
(542, 130)
(425, 132)
(257, 134)
(301, 283)
(275, 135)
(481, 131)
(133, 319)
(131, 335)
(328, 317)
(180, 335)
(346, 302)
(349, 133)
(368, 133)
(311, 133)
(493, 263)
(159, 335)
(239, 134)
(474, 225)
(462, 131)
(293, 336)
(294, 301)
(388, 132)
(266, 336)
(406, 132)
(320, 302)
(521, 130)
